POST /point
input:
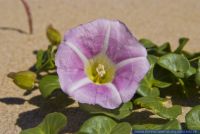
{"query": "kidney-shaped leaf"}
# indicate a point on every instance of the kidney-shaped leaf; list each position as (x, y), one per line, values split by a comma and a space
(122, 128)
(171, 125)
(48, 84)
(156, 104)
(150, 86)
(191, 71)
(123, 111)
(175, 63)
(104, 125)
(146, 88)
(98, 125)
(193, 118)
(51, 124)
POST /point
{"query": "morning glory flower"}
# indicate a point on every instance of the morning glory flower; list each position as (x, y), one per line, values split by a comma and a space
(101, 63)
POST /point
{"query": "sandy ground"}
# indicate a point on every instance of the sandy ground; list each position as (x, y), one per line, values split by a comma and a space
(154, 19)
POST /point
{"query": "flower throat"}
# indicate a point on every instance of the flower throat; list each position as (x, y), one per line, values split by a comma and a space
(100, 69)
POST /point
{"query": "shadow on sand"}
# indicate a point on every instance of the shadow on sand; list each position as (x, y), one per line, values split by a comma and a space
(13, 29)
(32, 118)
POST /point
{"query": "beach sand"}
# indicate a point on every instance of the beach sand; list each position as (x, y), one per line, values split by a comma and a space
(157, 20)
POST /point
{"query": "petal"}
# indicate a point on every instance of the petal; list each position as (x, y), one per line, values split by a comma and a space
(67, 59)
(67, 78)
(93, 37)
(122, 44)
(89, 38)
(70, 68)
(129, 75)
(103, 95)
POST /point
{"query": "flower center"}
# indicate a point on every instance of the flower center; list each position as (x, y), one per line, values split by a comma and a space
(100, 69)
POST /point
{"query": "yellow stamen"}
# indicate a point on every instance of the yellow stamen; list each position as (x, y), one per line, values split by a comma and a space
(100, 69)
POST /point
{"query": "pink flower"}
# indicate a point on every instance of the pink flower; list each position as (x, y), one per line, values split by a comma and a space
(101, 63)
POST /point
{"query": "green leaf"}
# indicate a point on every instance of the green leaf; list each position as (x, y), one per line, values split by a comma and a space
(182, 42)
(98, 125)
(146, 88)
(104, 125)
(154, 49)
(51, 124)
(36, 130)
(197, 78)
(156, 104)
(193, 118)
(175, 63)
(119, 113)
(48, 84)
(23, 79)
(198, 66)
(197, 75)
(39, 62)
(53, 35)
(171, 125)
(152, 59)
(161, 84)
(191, 71)
(147, 43)
(122, 128)
(45, 59)
(164, 49)
(150, 86)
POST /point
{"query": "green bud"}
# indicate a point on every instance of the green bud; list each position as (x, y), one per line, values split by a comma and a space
(53, 35)
(23, 79)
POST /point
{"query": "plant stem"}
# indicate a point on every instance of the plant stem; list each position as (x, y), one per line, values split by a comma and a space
(29, 15)
(196, 58)
(183, 87)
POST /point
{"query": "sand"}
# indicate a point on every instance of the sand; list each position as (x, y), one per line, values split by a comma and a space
(157, 20)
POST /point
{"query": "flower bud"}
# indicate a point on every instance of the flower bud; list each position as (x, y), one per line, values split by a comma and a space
(53, 35)
(23, 79)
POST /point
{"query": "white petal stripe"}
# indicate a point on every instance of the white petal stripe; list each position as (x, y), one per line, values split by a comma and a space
(115, 92)
(129, 61)
(78, 52)
(78, 84)
(106, 39)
